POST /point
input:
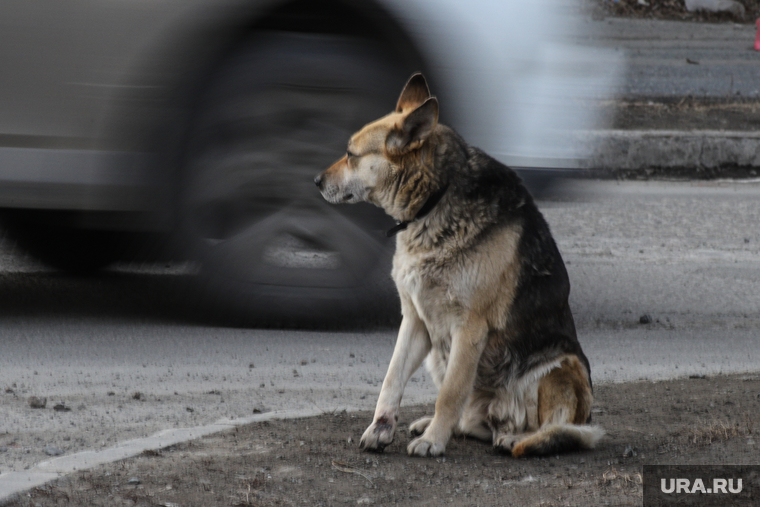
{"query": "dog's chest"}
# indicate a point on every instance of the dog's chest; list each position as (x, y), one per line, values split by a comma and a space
(449, 286)
(434, 287)
(431, 289)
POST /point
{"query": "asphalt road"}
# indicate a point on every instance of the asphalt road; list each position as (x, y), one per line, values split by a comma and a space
(126, 356)
(678, 59)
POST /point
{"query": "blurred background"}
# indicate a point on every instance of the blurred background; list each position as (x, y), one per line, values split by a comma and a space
(188, 132)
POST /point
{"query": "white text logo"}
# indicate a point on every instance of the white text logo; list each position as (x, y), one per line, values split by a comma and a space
(698, 486)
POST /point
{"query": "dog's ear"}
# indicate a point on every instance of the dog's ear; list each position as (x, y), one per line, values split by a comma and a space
(415, 128)
(414, 93)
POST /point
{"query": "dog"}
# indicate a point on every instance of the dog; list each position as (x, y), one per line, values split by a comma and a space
(483, 289)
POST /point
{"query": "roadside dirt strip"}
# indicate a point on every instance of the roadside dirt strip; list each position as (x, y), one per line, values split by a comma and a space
(316, 460)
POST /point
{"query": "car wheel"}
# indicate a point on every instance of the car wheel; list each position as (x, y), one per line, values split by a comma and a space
(279, 110)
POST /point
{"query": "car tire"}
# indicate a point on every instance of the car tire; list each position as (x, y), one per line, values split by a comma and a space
(278, 111)
(59, 245)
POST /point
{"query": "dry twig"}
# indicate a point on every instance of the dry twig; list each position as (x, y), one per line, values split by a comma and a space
(342, 467)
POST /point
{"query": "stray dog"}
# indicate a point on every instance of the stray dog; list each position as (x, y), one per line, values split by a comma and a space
(484, 291)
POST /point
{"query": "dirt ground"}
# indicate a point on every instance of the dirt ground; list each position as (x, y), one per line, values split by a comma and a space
(316, 461)
(672, 10)
(687, 113)
(684, 114)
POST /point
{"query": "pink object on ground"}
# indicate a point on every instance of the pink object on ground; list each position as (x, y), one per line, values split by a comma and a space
(757, 36)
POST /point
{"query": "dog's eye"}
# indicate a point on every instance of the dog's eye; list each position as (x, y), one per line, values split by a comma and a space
(349, 154)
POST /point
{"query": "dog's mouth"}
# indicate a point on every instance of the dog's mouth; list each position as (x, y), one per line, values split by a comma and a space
(348, 197)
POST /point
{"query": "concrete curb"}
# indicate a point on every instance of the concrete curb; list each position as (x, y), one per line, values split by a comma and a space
(13, 484)
(636, 150)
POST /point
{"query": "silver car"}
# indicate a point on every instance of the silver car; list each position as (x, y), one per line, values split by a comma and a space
(203, 122)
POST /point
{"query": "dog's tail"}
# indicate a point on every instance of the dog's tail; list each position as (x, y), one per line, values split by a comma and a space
(556, 438)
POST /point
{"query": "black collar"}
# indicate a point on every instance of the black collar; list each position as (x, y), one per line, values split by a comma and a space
(422, 213)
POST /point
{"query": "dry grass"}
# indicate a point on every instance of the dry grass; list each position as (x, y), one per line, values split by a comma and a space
(718, 431)
(615, 477)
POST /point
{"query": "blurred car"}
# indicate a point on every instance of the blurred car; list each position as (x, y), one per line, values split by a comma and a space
(204, 121)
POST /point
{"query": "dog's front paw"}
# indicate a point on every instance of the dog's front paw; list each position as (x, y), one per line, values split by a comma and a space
(419, 426)
(378, 435)
(425, 448)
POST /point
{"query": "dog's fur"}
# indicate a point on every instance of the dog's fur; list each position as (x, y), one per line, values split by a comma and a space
(484, 291)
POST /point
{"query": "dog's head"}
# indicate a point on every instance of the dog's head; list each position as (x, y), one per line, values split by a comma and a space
(378, 153)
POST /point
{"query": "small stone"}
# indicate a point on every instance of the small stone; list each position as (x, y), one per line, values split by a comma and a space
(134, 481)
(36, 402)
(53, 451)
(60, 407)
(190, 409)
(629, 452)
(304, 362)
(365, 500)
(110, 393)
(137, 396)
(645, 319)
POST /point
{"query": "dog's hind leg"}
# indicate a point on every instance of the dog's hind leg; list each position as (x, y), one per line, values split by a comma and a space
(504, 442)
(564, 405)
(412, 345)
(472, 422)
(512, 413)
(419, 426)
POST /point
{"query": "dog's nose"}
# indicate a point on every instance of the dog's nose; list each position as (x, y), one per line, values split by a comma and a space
(318, 180)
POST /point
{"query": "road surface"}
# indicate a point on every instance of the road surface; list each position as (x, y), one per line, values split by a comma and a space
(681, 59)
(124, 354)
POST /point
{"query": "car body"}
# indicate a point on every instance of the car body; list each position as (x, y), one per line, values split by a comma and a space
(204, 121)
